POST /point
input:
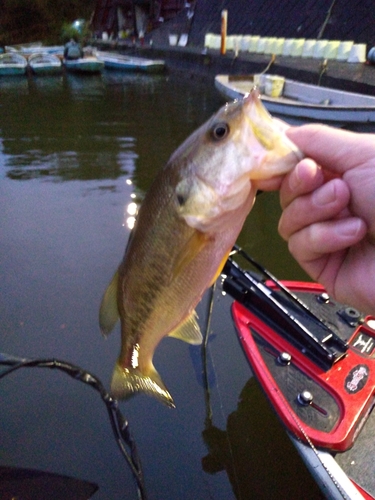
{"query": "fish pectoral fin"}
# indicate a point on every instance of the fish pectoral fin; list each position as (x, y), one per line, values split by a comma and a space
(188, 330)
(191, 249)
(221, 266)
(128, 381)
(108, 313)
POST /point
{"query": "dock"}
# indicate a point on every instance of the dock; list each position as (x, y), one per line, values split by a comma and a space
(314, 19)
(198, 62)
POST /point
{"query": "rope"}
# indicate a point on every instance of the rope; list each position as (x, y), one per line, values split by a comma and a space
(119, 424)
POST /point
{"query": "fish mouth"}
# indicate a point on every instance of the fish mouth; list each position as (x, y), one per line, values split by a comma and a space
(280, 153)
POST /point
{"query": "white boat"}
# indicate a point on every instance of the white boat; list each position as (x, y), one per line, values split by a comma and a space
(34, 48)
(12, 64)
(23, 47)
(44, 64)
(89, 64)
(305, 101)
(122, 62)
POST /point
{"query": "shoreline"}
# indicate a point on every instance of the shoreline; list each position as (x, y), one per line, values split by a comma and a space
(207, 63)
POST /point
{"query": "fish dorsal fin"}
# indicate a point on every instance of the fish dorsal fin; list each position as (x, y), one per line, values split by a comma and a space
(188, 330)
(188, 253)
(108, 313)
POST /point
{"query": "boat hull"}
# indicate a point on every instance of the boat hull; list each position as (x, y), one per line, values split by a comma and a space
(84, 65)
(42, 63)
(12, 71)
(46, 70)
(120, 62)
(315, 361)
(12, 65)
(120, 66)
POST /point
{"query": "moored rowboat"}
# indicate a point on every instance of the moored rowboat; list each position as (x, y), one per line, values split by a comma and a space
(12, 64)
(35, 48)
(89, 64)
(122, 62)
(44, 63)
(304, 100)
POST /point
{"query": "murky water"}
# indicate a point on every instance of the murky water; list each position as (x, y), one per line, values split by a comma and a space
(76, 153)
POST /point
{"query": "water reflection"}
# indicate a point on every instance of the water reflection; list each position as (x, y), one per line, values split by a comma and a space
(253, 450)
(65, 131)
(84, 87)
(87, 127)
(131, 211)
(13, 86)
(39, 84)
(61, 242)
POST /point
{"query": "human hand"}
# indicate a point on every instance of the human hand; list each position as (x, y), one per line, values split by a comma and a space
(329, 213)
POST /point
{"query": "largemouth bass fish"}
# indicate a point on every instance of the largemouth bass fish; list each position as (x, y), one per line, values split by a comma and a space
(185, 229)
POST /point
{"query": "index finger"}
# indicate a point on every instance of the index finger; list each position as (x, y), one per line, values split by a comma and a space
(334, 149)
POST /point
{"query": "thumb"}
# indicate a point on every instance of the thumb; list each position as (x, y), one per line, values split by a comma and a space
(334, 149)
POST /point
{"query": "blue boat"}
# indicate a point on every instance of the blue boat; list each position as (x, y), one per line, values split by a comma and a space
(89, 64)
(122, 62)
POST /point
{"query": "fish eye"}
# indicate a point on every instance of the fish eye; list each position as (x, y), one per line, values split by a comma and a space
(219, 131)
(181, 200)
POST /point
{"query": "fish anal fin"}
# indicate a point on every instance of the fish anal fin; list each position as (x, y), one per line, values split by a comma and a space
(188, 330)
(193, 247)
(128, 381)
(108, 312)
(220, 268)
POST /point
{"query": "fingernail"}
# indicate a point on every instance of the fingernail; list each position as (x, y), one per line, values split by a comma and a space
(324, 195)
(348, 227)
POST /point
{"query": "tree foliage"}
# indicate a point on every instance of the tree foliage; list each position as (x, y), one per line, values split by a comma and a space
(23, 21)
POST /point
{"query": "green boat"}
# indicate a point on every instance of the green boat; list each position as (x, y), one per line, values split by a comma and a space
(122, 62)
(89, 64)
(44, 64)
(12, 64)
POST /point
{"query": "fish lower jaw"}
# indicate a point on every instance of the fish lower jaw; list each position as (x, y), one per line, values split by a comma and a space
(127, 382)
(273, 166)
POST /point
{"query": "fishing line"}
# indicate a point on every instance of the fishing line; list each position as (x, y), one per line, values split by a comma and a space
(326, 20)
(119, 424)
(306, 437)
(207, 329)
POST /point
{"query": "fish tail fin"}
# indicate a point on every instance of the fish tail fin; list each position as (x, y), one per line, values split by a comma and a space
(128, 381)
